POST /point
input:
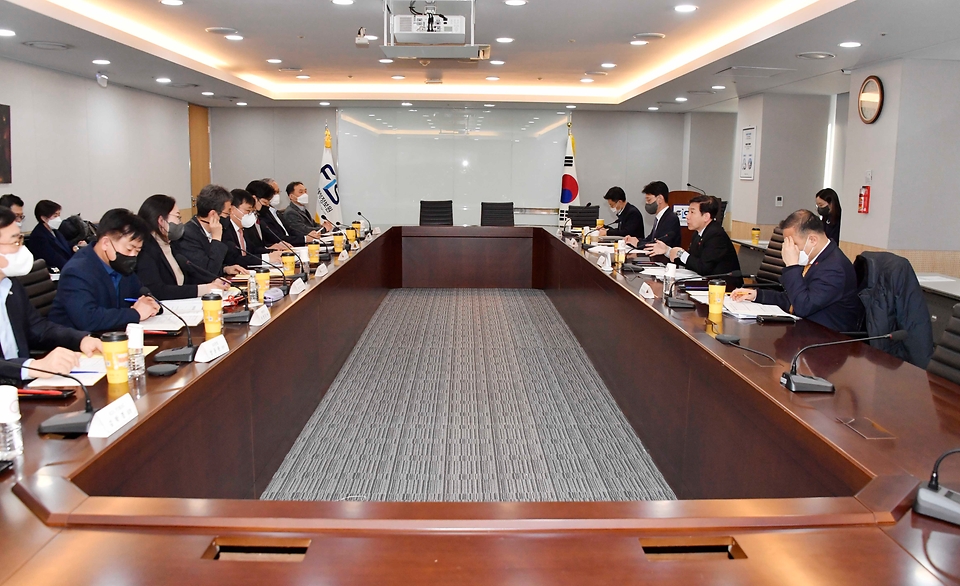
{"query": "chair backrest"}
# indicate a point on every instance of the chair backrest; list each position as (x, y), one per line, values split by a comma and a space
(496, 213)
(40, 288)
(581, 216)
(946, 357)
(436, 213)
(723, 211)
(771, 267)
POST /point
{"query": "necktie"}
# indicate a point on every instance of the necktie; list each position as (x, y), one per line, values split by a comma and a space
(803, 274)
(653, 233)
(243, 241)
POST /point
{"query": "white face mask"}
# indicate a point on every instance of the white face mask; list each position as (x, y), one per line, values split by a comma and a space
(54, 223)
(303, 199)
(20, 224)
(248, 220)
(275, 201)
(18, 263)
(804, 257)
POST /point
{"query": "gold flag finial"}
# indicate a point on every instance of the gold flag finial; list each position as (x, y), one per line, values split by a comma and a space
(327, 141)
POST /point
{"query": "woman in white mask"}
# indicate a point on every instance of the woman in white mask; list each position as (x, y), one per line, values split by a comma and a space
(46, 241)
(22, 328)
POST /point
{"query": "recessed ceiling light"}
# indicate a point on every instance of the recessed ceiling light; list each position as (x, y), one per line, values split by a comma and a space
(586, 80)
(536, 118)
(397, 77)
(172, 2)
(342, 2)
(303, 77)
(849, 44)
(412, 110)
(221, 30)
(718, 87)
(493, 78)
(233, 37)
(404, 104)
(561, 113)
(46, 45)
(514, 2)
(241, 103)
(504, 40)
(496, 63)
(324, 103)
(489, 105)
(100, 62)
(608, 65)
(815, 55)
(379, 119)
(274, 61)
(653, 108)
(163, 80)
(529, 121)
(638, 42)
(7, 33)
(206, 93)
(680, 99)
(385, 61)
(571, 107)
(371, 115)
(685, 8)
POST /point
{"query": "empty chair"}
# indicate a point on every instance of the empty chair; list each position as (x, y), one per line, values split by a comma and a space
(40, 288)
(771, 267)
(581, 216)
(436, 213)
(496, 213)
(946, 358)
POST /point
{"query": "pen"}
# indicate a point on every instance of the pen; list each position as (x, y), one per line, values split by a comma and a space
(84, 372)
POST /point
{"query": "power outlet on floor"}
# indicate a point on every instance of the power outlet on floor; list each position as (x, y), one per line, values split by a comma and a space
(779, 201)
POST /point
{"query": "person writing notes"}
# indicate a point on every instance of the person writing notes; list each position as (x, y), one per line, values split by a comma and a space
(628, 216)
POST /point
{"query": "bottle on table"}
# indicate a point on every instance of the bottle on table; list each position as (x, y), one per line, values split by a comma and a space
(11, 435)
(253, 290)
(136, 366)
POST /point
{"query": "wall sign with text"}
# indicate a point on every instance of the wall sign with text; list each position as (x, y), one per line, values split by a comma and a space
(748, 153)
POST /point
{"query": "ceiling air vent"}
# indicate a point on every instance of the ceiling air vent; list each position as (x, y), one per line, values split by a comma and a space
(743, 71)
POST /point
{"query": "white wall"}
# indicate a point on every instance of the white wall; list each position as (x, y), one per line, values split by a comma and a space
(746, 194)
(839, 141)
(712, 142)
(89, 148)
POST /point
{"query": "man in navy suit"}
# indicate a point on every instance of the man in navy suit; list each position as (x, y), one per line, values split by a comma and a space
(819, 282)
(628, 216)
(98, 280)
(711, 251)
(22, 328)
(666, 224)
(46, 241)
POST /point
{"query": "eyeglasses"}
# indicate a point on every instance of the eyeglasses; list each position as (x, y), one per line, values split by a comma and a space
(19, 217)
(18, 243)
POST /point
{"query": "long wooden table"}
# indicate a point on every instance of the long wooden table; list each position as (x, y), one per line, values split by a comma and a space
(804, 497)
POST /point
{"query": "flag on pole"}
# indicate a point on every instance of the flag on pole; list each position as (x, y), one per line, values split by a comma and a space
(569, 188)
(328, 194)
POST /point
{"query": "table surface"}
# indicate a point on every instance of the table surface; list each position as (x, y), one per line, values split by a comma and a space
(761, 246)
(942, 285)
(51, 531)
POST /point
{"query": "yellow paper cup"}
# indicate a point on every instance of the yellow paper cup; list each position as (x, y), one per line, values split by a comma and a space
(115, 356)
(718, 288)
(357, 226)
(289, 261)
(351, 235)
(599, 222)
(212, 313)
(313, 249)
(755, 236)
(263, 282)
(338, 243)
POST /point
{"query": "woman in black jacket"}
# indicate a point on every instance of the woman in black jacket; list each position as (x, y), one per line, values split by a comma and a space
(157, 267)
(828, 207)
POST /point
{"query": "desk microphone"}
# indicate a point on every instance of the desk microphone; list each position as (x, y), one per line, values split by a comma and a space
(934, 501)
(336, 225)
(799, 383)
(184, 354)
(73, 423)
(284, 288)
(731, 340)
(369, 225)
(697, 188)
(674, 302)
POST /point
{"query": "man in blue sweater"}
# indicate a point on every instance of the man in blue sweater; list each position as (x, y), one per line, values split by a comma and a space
(97, 282)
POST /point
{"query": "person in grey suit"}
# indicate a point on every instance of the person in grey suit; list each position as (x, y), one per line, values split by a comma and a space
(295, 216)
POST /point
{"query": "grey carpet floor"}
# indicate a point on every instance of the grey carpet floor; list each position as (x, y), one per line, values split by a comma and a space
(468, 395)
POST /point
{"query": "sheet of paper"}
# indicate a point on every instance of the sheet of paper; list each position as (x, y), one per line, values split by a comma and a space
(700, 296)
(182, 306)
(60, 382)
(934, 279)
(169, 323)
(658, 272)
(750, 310)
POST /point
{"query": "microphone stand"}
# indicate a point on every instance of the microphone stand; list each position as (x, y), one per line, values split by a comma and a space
(73, 423)
(675, 302)
(183, 354)
(369, 225)
(799, 383)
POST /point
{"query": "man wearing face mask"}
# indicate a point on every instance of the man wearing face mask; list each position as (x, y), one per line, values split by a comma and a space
(629, 220)
(242, 217)
(16, 206)
(202, 240)
(96, 283)
(666, 224)
(22, 328)
(819, 282)
(296, 217)
(271, 226)
(46, 242)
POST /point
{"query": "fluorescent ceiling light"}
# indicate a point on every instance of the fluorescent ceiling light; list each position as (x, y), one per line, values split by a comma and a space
(638, 43)
(489, 105)
(718, 87)
(303, 77)
(849, 44)
(685, 8)
(586, 80)
(324, 103)
(397, 77)
(504, 40)
(608, 65)
(514, 2)
(206, 93)
(342, 2)
(680, 99)
(493, 78)
(496, 63)
(233, 37)
(371, 37)
(403, 104)
(653, 108)
(100, 62)
(385, 61)
(241, 103)
(172, 2)
(163, 80)
(7, 33)
(571, 107)
(274, 61)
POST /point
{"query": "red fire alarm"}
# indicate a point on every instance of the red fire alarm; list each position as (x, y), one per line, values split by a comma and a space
(863, 205)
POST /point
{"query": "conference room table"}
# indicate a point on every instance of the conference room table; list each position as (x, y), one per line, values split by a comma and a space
(773, 487)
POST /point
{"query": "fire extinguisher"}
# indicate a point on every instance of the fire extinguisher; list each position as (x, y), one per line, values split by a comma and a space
(863, 205)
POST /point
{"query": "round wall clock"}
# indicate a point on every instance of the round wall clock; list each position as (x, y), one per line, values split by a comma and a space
(870, 100)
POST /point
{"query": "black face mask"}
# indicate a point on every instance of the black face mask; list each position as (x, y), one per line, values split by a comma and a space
(123, 264)
(650, 208)
(824, 211)
(174, 232)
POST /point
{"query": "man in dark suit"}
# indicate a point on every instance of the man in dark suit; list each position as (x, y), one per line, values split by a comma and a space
(819, 281)
(22, 328)
(201, 243)
(629, 221)
(711, 251)
(237, 230)
(46, 241)
(296, 217)
(666, 224)
(272, 229)
(96, 283)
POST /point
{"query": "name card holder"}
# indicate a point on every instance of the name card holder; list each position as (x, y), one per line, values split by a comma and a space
(110, 419)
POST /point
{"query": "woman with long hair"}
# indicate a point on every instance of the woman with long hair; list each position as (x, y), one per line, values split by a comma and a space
(828, 206)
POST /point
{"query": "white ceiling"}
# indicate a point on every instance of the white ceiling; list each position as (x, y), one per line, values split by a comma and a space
(318, 36)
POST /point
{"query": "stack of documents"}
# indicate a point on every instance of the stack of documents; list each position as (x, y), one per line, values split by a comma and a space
(657, 272)
(90, 371)
(750, 310)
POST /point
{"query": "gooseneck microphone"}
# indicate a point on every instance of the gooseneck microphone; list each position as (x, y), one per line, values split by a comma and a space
(799, 383)
(201, 273)
(285, 288)
(697, 188)
(731, 340)
(183, 354)
(369, 225)
(675, 302)
(73, 423)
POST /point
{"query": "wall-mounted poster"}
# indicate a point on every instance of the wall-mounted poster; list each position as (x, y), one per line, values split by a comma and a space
(5, 157)
(748, 153)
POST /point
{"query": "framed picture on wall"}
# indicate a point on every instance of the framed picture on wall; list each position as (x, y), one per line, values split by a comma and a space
(6, 159)
(748, 153)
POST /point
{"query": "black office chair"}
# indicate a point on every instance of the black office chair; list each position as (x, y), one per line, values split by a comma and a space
(723, 211)
(495, 213)
(893, 300)
(436, 213)
(581, 216)
(946, 357)
(771, 267)
(40, 288)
